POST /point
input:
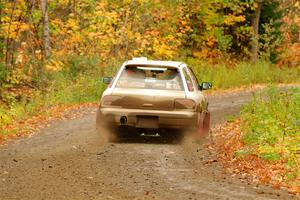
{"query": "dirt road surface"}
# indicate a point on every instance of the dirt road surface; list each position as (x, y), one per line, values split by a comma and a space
(68, 160)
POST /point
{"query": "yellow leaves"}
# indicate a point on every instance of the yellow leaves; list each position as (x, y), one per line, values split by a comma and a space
(99, 13)
(20, 59)
(183, 22)
(201, 54)
(211, 41)
(101, 6)
(138, 36)
(107, 28)
(163, 49)
(232, 19)
(92, 35)
(255, 5)
(134, 35)
(72, 24)
(56, 22)
(14, 29)
(5, 19)
(64, 2)
(12, 15)
(76, 38)
(24, 27)
(179, 34)
(130, 34)
(104, 26)
(54, 65)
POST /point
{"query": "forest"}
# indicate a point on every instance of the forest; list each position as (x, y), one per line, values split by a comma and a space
(53, 54)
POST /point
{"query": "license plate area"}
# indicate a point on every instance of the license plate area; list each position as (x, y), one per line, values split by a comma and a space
(147, 122)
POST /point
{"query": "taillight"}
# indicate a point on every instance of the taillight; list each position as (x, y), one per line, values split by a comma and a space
(184, 104)
(110, 100)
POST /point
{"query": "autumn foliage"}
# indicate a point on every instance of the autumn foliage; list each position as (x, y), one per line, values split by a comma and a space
(264, 143)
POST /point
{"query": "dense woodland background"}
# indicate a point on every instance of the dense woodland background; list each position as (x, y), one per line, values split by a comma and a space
(40, 36)
(54, 52)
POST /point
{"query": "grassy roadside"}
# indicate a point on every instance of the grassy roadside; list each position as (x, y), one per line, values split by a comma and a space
(264, 142)
(24, 117)
(81, 83)
(243, 74)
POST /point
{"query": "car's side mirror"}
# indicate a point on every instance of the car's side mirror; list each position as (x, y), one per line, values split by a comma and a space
(107, 80)
(205, 86)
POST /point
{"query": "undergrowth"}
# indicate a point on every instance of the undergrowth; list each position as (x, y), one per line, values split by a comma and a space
(80, 80)
(242, 74)
(271, 128)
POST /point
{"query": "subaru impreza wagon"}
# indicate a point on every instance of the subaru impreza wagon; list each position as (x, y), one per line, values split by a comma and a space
(150, 95)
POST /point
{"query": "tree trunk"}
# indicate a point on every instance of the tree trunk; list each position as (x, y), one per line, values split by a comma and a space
(46, 36)
(8, 39)
(74, 7)
(1, 37)
(255, 27)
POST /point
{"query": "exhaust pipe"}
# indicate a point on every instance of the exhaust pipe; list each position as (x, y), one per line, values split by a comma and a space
(123, 120)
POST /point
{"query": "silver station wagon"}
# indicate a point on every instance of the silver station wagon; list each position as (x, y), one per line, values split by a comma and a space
(154, 96)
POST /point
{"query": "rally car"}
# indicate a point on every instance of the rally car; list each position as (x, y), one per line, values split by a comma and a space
(150, 96)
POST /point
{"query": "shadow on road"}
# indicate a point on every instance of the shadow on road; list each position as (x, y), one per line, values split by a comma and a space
(151, 139)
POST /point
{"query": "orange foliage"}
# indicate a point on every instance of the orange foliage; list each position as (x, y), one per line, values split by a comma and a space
(228, 141)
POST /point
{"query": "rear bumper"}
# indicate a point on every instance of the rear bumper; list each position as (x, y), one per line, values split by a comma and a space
(165, 119)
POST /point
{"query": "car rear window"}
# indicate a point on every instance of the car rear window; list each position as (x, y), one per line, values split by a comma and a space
(150, 77)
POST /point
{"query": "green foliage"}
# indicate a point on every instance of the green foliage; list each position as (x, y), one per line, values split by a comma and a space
(271, 125)
(230, 118)
(61, 91)
(81, 65)
(270, 30)
(221, 27)
(243, 73)
(72, 86)
(83, 89)
(243, 152)
(3, 72)
(270, 156)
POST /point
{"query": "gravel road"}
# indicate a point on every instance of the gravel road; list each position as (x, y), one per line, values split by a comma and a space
(68, 160)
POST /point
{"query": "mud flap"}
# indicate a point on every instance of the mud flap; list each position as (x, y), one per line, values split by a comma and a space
(204, 126)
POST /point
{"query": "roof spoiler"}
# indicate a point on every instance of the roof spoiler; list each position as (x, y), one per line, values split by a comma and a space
(140, 59)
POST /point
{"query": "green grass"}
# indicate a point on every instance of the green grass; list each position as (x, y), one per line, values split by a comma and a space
(59, 92)
(243, 74)
(84, 88)
(79, 82)
(271, 126)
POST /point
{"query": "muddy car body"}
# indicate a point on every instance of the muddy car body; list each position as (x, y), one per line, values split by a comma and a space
(147, 94)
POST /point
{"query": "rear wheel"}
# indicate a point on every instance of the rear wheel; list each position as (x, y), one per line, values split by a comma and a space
(206, 123)
(111, 133)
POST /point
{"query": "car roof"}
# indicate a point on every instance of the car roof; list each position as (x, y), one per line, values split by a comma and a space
(145, 61)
